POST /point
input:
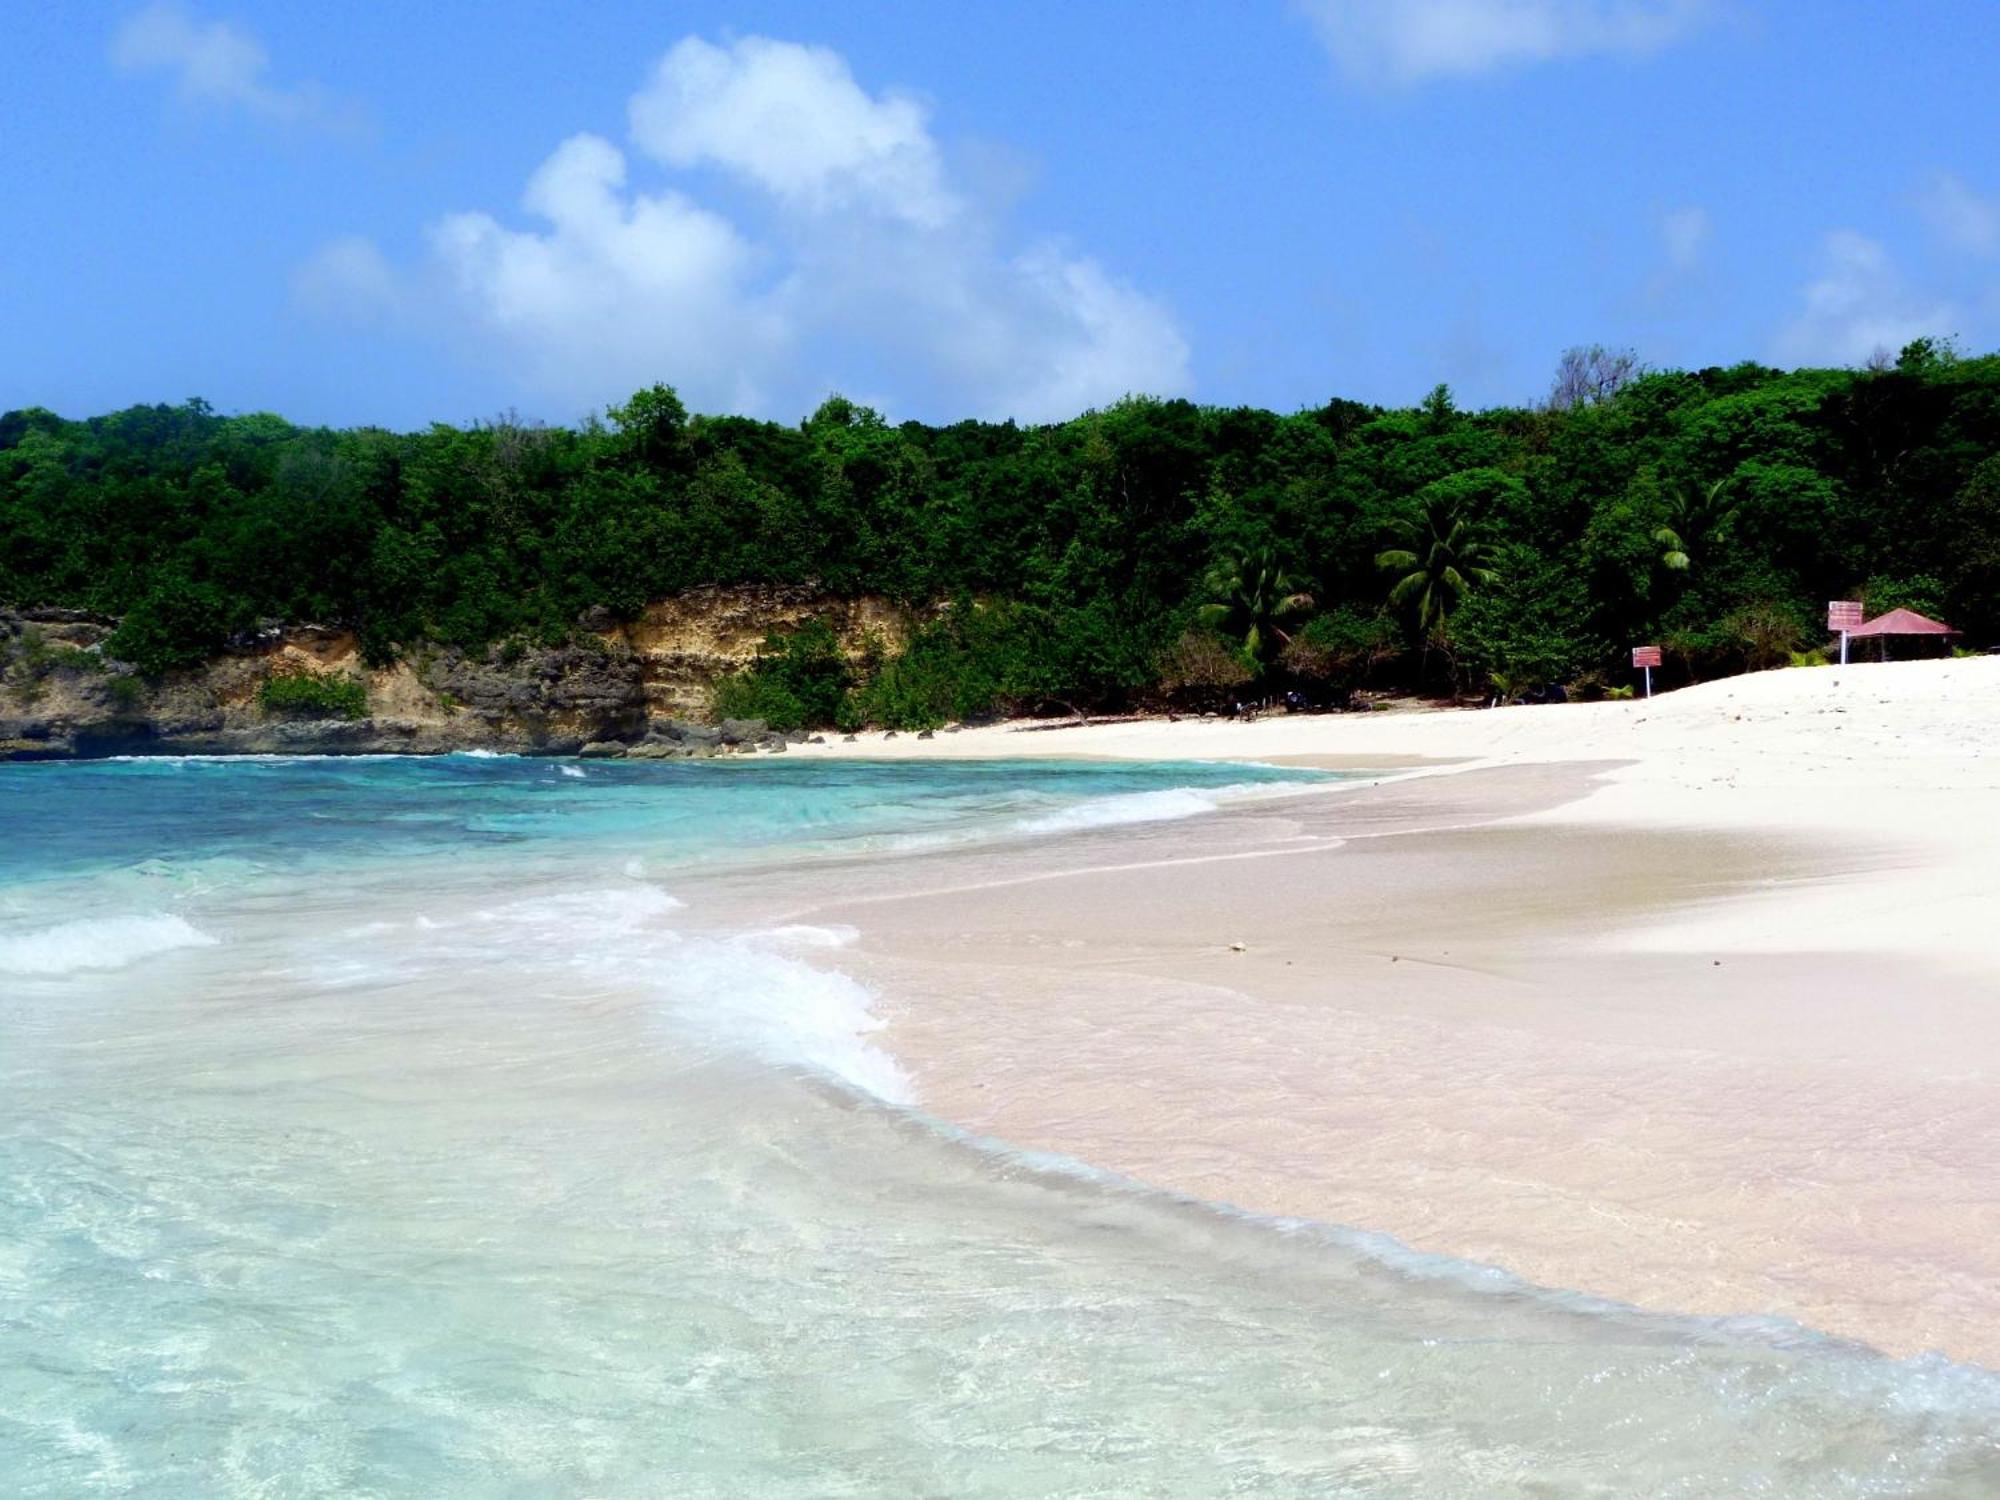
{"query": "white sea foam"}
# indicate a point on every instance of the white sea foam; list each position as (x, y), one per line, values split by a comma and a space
(1165, 805)
(618, 906)
(804, 935)
(784, 1012)
(575, 771)
(1125, 807)
(97, 943)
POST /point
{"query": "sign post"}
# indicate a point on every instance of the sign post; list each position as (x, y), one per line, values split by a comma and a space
(1843, 615)
(1647, 657)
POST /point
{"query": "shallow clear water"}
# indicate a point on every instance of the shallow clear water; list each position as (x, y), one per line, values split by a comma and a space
(381, 1128)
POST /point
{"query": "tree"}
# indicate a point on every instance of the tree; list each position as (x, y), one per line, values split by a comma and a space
(1590, 374)
(1696, 516)
(653, 426)
(1442, 558)
(1202, 667)
(1249, 598)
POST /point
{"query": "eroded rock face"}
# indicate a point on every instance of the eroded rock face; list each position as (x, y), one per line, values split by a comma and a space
(690, 642)
(61, 697)
(594, 692)
(644, 681)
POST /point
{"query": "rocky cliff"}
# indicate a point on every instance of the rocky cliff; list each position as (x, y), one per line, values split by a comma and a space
(61, 696)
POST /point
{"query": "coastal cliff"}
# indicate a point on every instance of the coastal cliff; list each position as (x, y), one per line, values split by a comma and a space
(614, 683)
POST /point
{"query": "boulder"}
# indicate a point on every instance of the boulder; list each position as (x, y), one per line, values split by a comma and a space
(848, 739)
(796, 736)
(927, 734)
(741, 731)
(602, 750)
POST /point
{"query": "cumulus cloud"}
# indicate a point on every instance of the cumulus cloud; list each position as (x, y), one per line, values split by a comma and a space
(217, 65)
(1411, 41)
(1856, 305)
(1963, 219)
(792, 121)
(859, 260)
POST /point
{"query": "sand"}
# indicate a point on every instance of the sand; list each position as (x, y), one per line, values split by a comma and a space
(1693, 1004)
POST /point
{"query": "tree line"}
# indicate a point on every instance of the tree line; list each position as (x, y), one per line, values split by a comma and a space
(1150, 550)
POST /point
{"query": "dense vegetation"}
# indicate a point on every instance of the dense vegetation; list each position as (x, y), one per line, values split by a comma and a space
(313, 695)
(1153, 547)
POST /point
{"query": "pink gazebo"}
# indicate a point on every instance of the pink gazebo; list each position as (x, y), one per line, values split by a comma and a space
(1899, 622)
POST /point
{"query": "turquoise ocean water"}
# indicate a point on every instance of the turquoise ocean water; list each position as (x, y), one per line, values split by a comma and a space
(382, 1128)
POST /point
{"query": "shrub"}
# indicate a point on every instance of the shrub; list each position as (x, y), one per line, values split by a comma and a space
(1767, 633)
(1341, 647)
(179, 623)
(307, 694)
(1201, 667)
(798, 680)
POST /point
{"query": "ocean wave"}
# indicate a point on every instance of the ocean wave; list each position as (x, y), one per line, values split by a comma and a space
(1124, 807)
(784, 1012)
(97, 943)
(1170, 803)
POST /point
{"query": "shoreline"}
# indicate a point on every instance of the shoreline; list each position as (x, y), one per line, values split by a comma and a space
(1701, 1026)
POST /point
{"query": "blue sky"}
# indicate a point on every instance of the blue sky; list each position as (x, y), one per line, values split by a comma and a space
(406, 213)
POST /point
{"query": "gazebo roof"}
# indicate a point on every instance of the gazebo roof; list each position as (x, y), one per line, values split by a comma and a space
(1901, 622)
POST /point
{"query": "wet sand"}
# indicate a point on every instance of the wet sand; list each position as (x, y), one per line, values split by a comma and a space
(1710, 1029)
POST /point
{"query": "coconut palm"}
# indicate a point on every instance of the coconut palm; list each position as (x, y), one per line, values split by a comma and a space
(1695, 516)
(1444, 557)
(1250, 597)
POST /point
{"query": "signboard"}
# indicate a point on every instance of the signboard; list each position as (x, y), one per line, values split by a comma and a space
(1645, 656)
(1843, 615)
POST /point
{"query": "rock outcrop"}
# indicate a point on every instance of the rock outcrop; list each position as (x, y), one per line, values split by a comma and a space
(641, 687)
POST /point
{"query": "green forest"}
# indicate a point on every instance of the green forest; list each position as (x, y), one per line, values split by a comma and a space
(1153, 551)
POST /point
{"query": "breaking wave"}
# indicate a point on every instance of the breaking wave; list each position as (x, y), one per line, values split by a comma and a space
(97, 943)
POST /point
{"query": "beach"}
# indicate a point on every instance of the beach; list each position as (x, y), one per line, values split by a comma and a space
(1685, 1003)
(1068, 1124)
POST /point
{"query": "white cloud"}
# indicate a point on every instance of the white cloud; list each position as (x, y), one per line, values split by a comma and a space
(876, 270)
(1409, 41)
(791, 120)
(620, 290)
(1964, 220)
(216, 64)
(1685, 233)
(1856, 305)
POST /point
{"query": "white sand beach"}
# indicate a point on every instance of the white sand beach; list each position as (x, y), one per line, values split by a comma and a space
(1692, 1003)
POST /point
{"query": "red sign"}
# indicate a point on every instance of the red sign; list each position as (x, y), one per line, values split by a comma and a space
(1843, 615)
(1645, 656)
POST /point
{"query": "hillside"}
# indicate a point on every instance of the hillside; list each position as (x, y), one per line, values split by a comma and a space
(1151, 553)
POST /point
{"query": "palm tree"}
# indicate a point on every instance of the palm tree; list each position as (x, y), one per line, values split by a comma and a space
(1695, 516)
(1250, 597)
(1444, 558)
